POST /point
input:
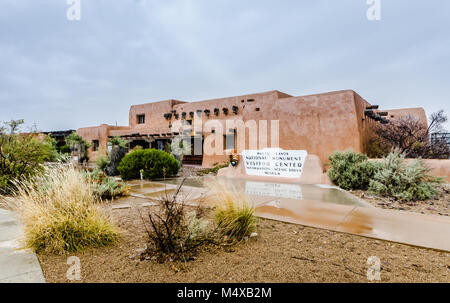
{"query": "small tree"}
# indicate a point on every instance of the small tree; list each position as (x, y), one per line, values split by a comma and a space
(118, 141)
(21, 155)
(79, 144)
(118, 151)
(411, 137)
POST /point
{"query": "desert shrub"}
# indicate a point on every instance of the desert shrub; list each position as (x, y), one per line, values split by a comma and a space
(102, 161)
(62, 158)
(21, 156)
(174, 232)
(105, 187)
(213, 170)
(395, 178)
(110, 188)
(59, 212)
(153, 162)
(64, 149)
(350, 170)
(234, 215)
(118, 141)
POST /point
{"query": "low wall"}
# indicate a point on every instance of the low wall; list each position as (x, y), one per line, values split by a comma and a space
(312, 173)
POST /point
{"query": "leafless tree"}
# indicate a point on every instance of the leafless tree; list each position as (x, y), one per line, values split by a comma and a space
(413, 138)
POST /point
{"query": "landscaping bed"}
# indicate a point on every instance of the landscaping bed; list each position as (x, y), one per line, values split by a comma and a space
(440, 205)
(280, 253)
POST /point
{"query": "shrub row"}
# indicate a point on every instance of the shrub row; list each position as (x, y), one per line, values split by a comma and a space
(391, 177)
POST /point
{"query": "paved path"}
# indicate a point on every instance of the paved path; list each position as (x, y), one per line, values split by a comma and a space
(415, 229)
(16, 265)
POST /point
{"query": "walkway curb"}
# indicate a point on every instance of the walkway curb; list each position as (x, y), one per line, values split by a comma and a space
(16, 265)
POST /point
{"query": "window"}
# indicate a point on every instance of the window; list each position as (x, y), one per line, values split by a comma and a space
(141, 119)
(95, 145)
(229, 141)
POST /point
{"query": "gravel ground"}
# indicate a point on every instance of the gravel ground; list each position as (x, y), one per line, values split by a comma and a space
(280, 253)
(438, 206)
(189, 171)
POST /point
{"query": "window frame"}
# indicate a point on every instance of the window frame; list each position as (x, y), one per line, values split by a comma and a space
(138, 118)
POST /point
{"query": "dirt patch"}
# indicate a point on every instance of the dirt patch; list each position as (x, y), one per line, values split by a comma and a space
(440, 205)
(281, 253)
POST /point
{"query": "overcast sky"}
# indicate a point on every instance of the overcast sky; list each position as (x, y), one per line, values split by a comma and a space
(63, 74)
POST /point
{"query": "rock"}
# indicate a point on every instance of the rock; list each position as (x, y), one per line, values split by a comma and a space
(133, 256)
(252, 235)
(377, 242)
(140, 250)
(121, 206)
(295, 232)
(299, 240)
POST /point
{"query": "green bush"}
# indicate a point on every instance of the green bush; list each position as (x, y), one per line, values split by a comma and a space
(350, 170)
(153, 162)
(405, 182)
(118, 141)
(102, 161)
(65, 149)
(21, 156)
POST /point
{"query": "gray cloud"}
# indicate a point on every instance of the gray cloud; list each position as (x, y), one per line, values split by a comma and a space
(61, 74)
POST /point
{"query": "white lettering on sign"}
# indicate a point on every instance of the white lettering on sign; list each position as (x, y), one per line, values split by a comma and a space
(274, 162)
(279, 190)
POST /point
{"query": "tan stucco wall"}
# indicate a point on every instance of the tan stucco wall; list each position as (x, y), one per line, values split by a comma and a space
(98, 133)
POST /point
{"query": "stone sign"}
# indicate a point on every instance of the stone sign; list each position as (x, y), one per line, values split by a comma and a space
(274, 162)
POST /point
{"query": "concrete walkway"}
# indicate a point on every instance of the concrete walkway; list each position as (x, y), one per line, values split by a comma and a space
(16, 265)
(398, 226)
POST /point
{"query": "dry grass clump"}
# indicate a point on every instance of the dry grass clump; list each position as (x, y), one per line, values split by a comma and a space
(234, 215)
(59, 212)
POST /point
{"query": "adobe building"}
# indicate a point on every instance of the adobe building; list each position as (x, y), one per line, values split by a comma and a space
(320, 123)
